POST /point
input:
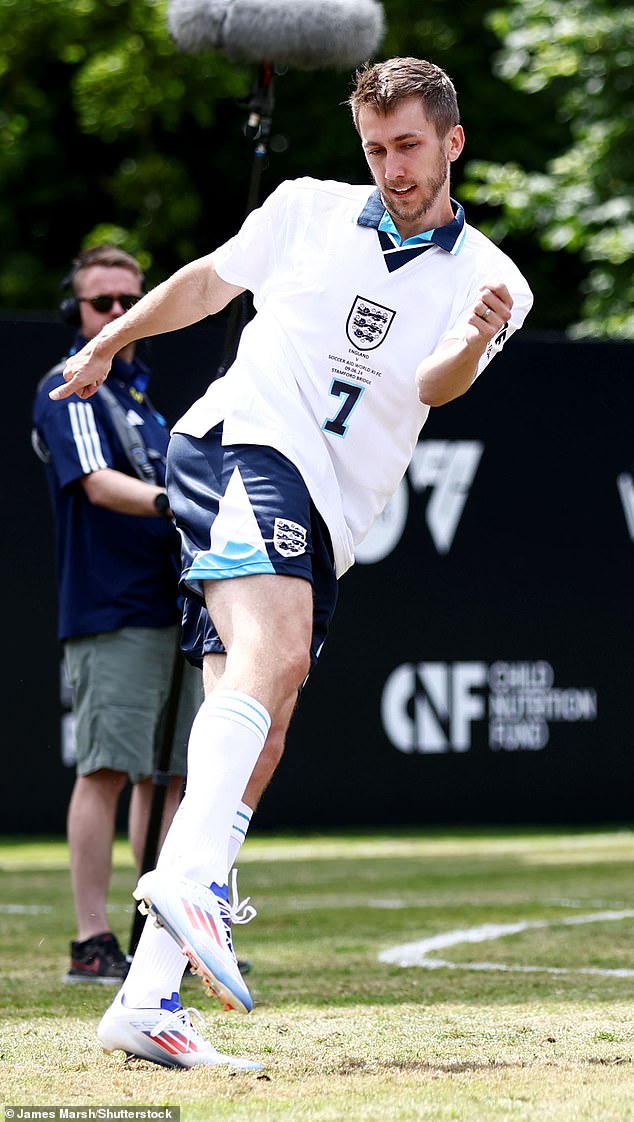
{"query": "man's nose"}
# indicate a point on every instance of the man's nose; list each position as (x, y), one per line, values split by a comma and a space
(394, 166)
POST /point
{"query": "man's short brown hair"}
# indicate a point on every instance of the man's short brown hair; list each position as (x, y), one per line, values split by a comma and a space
(382, 85)
(108, 255)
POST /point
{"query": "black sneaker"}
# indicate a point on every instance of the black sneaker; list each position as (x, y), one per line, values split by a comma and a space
(98, 959)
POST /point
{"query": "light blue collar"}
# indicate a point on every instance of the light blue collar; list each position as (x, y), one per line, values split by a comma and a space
(449, 237)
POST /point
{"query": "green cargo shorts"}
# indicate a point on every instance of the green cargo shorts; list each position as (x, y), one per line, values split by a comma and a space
(120, 683)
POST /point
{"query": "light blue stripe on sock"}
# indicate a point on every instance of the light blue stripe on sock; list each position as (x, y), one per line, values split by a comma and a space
(245, 709)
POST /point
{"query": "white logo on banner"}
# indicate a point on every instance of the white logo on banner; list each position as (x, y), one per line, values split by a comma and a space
(431, 707)
(625, 485)
(447, 469)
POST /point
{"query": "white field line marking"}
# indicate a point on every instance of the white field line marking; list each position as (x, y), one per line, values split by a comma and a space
(418, 954)
(24, 909)
(42, 909)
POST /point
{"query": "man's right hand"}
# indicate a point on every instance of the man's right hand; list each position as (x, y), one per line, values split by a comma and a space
(83, 373)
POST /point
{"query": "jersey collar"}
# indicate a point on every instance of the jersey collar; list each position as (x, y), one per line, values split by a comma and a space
(449, 237)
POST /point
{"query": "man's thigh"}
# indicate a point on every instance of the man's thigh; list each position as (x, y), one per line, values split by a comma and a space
(265, 623)
(243, 512)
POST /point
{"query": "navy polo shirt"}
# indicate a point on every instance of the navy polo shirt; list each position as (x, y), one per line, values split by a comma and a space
(113, 570)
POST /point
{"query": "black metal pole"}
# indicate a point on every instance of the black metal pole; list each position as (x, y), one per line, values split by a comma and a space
(258, 129)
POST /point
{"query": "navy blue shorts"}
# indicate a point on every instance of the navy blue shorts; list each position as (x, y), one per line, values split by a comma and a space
(243, 509)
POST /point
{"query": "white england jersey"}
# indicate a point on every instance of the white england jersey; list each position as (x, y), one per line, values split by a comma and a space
(325, 371)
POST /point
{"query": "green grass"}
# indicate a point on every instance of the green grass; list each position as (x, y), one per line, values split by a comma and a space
(515, 1027)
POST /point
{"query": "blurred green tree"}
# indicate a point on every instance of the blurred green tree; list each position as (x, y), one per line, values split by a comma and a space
(101, 125)
(108, 131)
(581, 202)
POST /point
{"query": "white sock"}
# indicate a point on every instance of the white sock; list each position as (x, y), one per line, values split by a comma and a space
(226, 739)
(241, 823)
(156, 971)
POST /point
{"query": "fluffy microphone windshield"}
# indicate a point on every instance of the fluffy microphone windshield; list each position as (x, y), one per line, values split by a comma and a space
(307, 34)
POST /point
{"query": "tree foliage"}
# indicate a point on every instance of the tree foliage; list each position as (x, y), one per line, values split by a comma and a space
(108, 131)
(100, 118)
(582, 201)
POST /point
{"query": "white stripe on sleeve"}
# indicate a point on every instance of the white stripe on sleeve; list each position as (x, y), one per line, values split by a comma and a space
(82, 420)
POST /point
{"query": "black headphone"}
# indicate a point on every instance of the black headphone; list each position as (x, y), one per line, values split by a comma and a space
(69, 309)
(69, 306)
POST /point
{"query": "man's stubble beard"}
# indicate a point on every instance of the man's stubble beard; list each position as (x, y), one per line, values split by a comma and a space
(432, 190)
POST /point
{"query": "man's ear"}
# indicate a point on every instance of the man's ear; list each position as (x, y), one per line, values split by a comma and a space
(454, 142)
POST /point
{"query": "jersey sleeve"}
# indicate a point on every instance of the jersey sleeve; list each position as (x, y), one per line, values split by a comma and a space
(248, 258)
(522, 304)
(72, 433)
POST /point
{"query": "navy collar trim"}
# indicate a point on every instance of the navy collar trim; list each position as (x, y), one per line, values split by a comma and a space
(449, 237)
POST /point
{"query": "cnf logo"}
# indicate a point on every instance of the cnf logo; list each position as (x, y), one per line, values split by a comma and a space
(368, 324)
(431, 706)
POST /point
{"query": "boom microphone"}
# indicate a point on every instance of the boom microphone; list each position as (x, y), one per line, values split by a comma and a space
(306, 34)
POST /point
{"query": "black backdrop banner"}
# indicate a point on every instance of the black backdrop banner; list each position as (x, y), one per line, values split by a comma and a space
(479, 666)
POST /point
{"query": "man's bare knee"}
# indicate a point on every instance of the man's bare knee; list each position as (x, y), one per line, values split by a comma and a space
(293, 666)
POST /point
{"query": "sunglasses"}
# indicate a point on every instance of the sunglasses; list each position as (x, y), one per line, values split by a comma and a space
(105, 303)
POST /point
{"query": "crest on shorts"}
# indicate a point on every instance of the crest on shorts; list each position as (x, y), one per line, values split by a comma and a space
(289, 538)
(368, 324)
